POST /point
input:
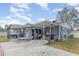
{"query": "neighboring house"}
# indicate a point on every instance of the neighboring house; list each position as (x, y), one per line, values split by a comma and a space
(41, 30)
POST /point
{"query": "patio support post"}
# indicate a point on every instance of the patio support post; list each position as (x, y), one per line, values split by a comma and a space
(59, 33)
(50, 32)
(34, 33)
(23, 32)
(50, 36)
(8, 34)
(19, 32)
(43, 32)
(54, 32)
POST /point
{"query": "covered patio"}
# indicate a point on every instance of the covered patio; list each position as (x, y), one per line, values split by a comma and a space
(46, 30)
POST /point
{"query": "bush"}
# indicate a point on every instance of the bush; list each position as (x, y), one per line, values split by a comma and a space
(71, 36)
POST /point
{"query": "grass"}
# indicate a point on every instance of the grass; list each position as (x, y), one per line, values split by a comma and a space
(71, 45)
(3, 38)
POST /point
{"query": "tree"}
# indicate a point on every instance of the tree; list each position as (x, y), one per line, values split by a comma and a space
(1, 29)
(70, 16)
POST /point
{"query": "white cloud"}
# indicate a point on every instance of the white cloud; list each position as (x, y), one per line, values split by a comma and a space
(29, 15)
(43, 5)
(18, 15)
(77, 8)
(13, 21)
(10, 20)
(22, 5)
(12, 9)
(15, 12)
(2, 20)
(52, 19)
(56, 10)
(73, 4)
(41, 19)
(28, 19)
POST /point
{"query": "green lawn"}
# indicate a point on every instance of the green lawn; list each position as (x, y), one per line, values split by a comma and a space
(3, 38)
(71, 45)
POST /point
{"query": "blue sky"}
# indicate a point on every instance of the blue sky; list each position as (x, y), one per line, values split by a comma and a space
(22, 13)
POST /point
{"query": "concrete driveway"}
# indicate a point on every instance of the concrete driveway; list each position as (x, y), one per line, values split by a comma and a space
(31, 48)
(1, 51)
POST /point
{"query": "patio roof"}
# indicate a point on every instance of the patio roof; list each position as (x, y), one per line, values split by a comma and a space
(45, 24)
(36, 25)
(15, 26)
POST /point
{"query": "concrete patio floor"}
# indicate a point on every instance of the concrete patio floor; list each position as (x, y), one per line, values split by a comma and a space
(32, 48)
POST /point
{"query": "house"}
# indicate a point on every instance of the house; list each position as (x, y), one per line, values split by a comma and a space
(40, 30)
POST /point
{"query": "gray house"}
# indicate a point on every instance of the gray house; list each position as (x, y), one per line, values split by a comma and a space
(42, 30)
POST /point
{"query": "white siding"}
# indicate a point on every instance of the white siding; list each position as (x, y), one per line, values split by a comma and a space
(75, 34)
